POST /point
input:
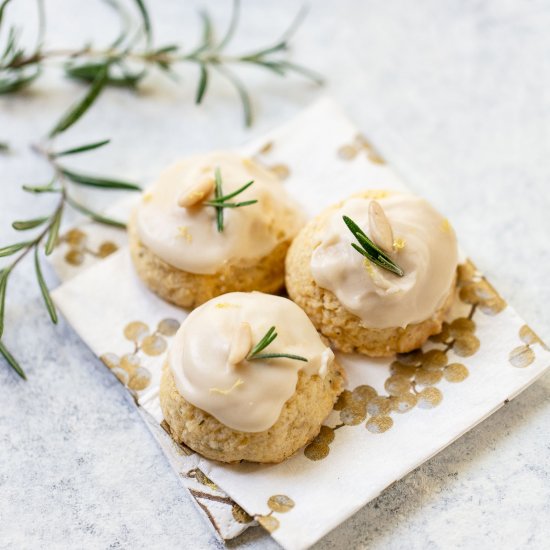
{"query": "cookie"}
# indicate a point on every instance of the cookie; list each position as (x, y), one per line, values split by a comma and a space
(212, 224)
(229, 402)
(359, 305)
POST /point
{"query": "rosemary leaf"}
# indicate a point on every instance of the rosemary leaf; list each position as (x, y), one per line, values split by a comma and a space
(360, 250)
(125, 22)
(243, 203)
(218, 193)
(207, 31)
(274, 66)
(29, 224)
(81, 107)
(263, 52)
(11, 44)
(4, 274)
(235, 193)
(370, 250)
(94, 181)
(15, 84)
(267, 338)
(282, 43)
(241, 90)
(378, 256)
(43, 288)
(203, 83)
(88, 72)
(265, 341)
(94, 215)
(379, 260)
(278, 356)
(2, 8)
(304, 71)
(221, 204)
(41, 31)
(82, 148)
(11, 361)
(230, 32)
(41, 188)
(171, 48)
(166, 68)
(390, 266)
(352, 226)
(146, 20)
(294, 25)
(13, 248)
(54, 230)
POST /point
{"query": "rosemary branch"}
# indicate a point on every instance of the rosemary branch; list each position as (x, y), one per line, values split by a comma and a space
(105, 67)
(60, 183)
(370, 250)
(115, 65)
(269, 336)
(221, 201)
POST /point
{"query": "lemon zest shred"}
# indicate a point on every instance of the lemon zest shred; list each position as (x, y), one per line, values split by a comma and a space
(183, 231)
(399, 244)
(238, 383)
(445, 226)
(225, 305)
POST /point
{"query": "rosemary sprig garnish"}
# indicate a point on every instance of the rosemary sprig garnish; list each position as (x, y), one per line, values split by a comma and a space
(370, 250)
(61, 183)
(269, 336)
(220, 200)
(128, 59)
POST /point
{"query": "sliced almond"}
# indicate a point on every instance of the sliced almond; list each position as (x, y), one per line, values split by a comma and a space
(379, 226)
(196, 193)
(241, 344)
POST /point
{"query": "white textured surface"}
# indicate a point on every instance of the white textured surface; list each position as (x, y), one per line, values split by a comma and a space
(455, 95)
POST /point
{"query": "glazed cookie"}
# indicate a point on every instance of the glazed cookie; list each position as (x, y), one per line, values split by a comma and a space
(248, 378)
(375, 273)
(213, 224)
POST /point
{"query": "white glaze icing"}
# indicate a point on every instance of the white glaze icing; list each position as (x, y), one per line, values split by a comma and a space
(188, 239)
(378, 297)
(248, 396)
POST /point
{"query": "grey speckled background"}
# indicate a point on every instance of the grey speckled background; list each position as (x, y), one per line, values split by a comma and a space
(455, 94)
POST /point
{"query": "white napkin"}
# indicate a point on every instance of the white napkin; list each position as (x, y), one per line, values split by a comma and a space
(381, 440)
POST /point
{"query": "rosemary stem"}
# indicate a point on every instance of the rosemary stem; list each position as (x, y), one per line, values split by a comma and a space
(208, 57)
(146, 56)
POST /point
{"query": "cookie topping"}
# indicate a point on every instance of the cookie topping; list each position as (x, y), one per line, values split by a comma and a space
(230, 218)
(243, 385)
(237, 383)
(363, 281)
